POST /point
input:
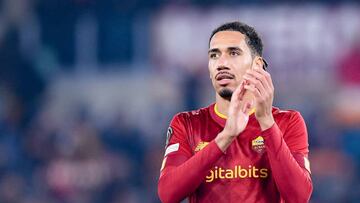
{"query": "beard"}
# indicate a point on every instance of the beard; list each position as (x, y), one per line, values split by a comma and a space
(225, 93)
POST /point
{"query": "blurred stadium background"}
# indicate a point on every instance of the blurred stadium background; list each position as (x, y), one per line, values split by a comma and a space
(88, 87)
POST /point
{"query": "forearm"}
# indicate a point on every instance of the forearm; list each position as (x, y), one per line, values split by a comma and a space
(178, 182)
(293, 181)
(223, 140)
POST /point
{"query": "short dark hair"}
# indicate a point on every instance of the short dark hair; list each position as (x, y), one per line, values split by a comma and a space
(252, 38)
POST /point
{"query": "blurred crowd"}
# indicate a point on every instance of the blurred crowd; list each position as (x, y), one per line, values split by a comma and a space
(88, 88)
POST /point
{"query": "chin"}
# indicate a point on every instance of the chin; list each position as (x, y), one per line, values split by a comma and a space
(227, 87)
(225, 93)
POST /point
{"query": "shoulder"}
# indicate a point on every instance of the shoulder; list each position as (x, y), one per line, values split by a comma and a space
(289, 119)
(286, 114)
(192, 115)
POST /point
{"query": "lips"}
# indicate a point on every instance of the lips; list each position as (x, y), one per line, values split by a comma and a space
(224, 75)
(224, 78)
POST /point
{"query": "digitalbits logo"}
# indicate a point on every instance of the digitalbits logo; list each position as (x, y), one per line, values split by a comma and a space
(237, 172)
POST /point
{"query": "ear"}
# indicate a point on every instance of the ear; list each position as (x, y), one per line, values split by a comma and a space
(258, 63)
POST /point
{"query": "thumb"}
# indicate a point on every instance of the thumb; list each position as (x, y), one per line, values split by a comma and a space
(239, 92)
(247, 107)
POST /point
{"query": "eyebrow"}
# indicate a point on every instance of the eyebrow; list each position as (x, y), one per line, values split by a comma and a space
(228, 49)
(235, 49)
(213, 50)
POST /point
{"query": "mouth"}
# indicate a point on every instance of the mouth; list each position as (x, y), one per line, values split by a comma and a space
(224, 78)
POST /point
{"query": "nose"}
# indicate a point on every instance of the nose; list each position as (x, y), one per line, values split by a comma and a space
(222, 63)
(221, 67)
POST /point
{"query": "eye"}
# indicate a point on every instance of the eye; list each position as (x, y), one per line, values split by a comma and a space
(214, 55)
(234, 53)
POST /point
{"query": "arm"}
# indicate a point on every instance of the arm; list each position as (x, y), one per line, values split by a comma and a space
(287, 153)
(179, 181)
(288, 160)
(182, 173)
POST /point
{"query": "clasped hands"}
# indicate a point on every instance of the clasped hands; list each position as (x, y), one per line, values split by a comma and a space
(259, 83)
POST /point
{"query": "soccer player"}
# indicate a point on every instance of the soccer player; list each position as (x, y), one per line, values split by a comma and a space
(241, 148)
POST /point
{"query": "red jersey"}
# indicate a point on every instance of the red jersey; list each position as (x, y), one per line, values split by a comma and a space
(258, 166)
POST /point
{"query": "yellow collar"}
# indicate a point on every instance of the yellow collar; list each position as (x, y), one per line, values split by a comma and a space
(225, 117)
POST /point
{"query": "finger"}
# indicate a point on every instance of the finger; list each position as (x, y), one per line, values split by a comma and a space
(236, 99)
(267, 77)
(259, 75)
(239, 92)
(242, 91)
(247, 108)
(254, 90)
(246, 118)
(255, 82)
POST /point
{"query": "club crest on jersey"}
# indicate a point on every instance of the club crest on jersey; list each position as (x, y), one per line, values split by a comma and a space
(200, 146)
(258, 144)
(168, 135)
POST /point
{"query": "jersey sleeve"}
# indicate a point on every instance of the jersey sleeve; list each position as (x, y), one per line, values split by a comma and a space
(177, 145)
(296, 134)
(182, 172)
(288, 156)
(296, 138)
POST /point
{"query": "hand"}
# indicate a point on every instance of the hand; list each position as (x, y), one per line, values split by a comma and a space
(238, 117)
(259, 82)
(238, 114)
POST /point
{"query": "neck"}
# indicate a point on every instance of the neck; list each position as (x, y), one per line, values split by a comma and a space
(222, 104)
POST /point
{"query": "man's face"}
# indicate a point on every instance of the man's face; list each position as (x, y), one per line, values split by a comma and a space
(229, 58)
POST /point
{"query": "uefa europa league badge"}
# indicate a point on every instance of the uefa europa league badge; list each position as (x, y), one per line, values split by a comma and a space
(258, 144)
